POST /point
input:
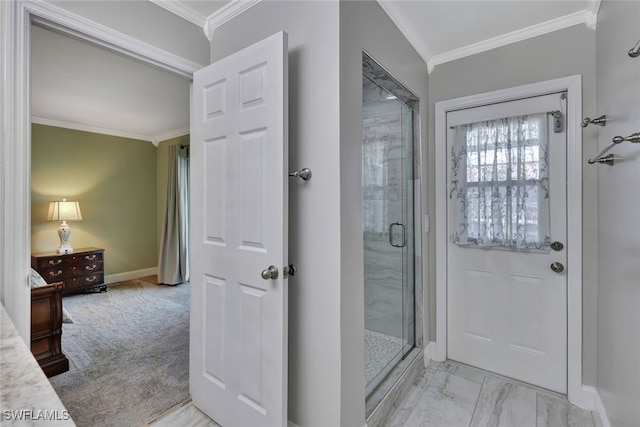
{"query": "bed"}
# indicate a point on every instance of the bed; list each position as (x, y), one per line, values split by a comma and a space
(46, 327)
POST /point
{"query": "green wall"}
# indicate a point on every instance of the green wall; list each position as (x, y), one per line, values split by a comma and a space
(115, 181)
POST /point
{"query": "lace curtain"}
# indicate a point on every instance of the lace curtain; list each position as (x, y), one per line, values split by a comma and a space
(499, 186)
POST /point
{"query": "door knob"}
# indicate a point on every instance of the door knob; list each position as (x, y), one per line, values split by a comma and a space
(270, 273)
(557, 267)
(304, 173)
(557, 246)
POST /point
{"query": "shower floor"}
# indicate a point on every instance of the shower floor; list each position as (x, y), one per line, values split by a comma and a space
(379, 350)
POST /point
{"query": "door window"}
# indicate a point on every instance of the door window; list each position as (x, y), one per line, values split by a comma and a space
(499, 183)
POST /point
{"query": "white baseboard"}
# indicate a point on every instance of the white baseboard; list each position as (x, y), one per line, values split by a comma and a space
(590, 400)
(429, 353)
(598, 408)
(130, 275)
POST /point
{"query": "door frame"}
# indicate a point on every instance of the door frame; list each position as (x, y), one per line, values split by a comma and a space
(576, 392)
(15, 235)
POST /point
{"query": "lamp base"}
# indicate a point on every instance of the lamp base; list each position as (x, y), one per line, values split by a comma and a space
(64, 232)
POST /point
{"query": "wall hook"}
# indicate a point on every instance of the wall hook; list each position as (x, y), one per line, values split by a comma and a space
(635, 51)
(634, 137)
(304, 173)
(605, 160)
(600, 121)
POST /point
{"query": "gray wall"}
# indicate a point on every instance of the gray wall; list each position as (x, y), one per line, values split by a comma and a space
(326, 300)
(618, 84)
(147, 22)
(315, 369)
(561, 53)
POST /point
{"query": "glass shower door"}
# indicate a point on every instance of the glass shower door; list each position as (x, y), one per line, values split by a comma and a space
(388, 231)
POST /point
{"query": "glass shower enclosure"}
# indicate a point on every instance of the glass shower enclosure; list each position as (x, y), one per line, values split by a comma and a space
(389, 121)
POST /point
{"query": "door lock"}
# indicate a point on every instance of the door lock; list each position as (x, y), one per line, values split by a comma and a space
(557, 246)
(557, 267)
(290, 270)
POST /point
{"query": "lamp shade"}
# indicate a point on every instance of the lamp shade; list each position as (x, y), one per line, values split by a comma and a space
(64, 211)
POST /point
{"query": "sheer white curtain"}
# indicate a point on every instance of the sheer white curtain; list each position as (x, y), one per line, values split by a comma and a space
(499, 187)
(173, 262)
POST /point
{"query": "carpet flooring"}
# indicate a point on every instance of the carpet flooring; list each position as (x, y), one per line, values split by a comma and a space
(128, 350)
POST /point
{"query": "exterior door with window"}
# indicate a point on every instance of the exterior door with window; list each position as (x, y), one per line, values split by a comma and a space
(239, 195)
(506, 227)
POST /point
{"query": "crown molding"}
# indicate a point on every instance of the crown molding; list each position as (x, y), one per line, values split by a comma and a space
(556, 24)
(398, 17)
(175, 133)
(154, 139)
(50, 16)
(92, 129)
(183, 11)
(591, 18)
(226, 14)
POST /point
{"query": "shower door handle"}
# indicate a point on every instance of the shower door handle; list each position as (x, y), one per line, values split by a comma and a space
(404, 235)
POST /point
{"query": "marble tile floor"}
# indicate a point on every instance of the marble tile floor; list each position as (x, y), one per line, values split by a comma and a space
(450, 394)
(184, 415)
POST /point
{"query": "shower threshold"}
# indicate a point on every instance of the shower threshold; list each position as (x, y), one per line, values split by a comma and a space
(390, 389)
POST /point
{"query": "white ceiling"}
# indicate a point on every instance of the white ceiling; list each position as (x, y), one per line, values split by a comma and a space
(82, 86)
(78, 85)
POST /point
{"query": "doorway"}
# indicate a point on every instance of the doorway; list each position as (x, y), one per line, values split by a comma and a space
(96, 174)
(506, 227)
(18, 17)
(572, 85)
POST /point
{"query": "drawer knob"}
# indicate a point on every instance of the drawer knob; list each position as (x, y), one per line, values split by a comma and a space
(91, 279)
(56, 262)
(90, 257)
(90, 267)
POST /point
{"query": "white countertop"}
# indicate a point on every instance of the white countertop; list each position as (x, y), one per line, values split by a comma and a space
(26, 395)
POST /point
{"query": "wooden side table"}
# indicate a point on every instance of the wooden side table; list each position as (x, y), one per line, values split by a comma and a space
(80, 270)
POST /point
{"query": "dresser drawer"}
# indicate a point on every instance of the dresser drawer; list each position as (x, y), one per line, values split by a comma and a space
(83, 282)
(56, 274)
(78, 259)
(51, 262)
(86, 268)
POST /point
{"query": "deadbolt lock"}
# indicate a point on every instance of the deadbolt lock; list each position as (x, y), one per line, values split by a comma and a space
(557, 267)
(557, 246)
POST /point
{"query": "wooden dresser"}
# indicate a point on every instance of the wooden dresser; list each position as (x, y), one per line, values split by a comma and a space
(80, 270)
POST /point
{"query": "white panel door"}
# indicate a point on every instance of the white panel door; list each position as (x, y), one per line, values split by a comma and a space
(239, 149)
(506, 307)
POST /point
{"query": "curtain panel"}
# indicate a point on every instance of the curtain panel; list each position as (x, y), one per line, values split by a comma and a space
(173, 262)
(499, 183)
